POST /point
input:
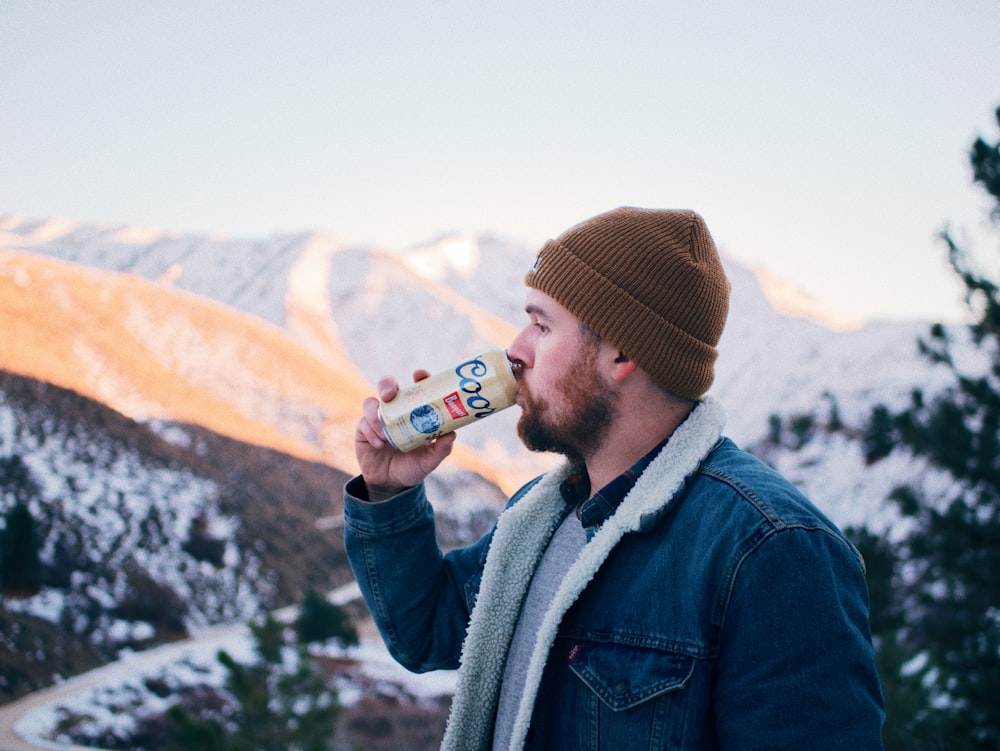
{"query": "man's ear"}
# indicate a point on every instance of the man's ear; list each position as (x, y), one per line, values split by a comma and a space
(623, 367)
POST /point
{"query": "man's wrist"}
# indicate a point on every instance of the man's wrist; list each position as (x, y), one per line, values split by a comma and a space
(379, 493)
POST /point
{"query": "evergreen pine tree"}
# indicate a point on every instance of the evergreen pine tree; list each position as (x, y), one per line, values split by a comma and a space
(949, 602)
(880, 435)
(190, 734)
(281, 704)
(320, 620)
(20, 567)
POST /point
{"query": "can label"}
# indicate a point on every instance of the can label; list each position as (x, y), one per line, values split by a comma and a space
(444, 402)
(454, 404)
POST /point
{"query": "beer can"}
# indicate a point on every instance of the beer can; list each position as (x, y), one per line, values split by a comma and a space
(472, 390)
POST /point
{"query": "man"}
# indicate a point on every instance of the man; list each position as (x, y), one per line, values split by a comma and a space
(663, 589)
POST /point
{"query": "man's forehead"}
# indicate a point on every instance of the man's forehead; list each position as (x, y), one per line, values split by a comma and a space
(538, 303)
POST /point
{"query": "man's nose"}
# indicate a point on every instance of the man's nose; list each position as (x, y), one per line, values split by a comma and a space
(519, 351)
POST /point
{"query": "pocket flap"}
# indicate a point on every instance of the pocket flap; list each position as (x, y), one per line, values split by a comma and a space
(624, 676)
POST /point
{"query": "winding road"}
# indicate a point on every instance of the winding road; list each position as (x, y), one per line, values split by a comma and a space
(18, 725)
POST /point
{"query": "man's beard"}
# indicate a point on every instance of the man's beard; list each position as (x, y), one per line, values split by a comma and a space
(589, 409)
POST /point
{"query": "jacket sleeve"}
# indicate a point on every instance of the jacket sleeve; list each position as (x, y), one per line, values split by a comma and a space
(796, 666)
(420, 598)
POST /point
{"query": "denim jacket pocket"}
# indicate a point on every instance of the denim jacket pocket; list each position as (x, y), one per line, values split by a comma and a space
(624, 676)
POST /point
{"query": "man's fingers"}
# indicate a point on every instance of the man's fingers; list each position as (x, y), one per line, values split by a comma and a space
(387, 388)
(369, 426)
(366, 433)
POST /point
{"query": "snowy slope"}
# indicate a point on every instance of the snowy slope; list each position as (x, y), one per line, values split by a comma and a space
(357, 313)
(389, 311)
(116, 510)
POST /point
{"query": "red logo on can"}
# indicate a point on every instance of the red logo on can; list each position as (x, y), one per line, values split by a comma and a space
(453, 402)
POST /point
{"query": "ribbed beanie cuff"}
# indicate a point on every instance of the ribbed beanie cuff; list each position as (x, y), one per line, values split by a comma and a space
(648, 281)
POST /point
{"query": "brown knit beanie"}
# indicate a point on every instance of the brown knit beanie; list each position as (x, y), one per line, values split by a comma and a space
(648, 281)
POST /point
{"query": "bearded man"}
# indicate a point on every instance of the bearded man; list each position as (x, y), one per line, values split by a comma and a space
(662, 589)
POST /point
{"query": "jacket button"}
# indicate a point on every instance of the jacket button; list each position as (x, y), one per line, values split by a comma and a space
(622, 687)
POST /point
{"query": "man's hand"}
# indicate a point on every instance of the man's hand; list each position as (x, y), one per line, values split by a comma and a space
(386, 470)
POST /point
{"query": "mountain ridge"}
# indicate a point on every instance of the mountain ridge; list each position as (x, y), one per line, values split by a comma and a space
(370, 311)
(155, 352)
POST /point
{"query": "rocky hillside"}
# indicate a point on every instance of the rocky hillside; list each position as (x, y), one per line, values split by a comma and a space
(145, 535)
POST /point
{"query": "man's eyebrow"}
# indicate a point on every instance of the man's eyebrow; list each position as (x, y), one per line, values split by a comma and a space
(534, 310)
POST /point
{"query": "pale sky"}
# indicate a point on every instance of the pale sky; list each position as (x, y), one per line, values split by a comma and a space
(826, 143)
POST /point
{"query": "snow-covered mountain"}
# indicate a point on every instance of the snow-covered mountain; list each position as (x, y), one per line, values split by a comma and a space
(236, 368)
(313, 322)
(275, 342)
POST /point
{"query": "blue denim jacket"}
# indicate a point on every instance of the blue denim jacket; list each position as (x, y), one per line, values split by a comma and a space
(734, 616)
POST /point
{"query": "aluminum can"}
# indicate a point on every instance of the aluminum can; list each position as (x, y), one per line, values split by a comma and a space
(446, 401)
